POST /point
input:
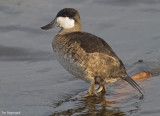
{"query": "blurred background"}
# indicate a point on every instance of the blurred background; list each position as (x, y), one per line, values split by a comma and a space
(33, 83)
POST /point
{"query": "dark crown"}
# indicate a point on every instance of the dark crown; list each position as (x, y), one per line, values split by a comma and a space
(68, 12)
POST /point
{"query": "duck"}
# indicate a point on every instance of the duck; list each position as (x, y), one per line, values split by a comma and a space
(85, 55)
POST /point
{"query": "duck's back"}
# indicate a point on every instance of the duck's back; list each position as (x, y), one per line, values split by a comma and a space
(81, 52)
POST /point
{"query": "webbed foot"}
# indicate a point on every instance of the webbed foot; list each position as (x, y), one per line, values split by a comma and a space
(91, 90)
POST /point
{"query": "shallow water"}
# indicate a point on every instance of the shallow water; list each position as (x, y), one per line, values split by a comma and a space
(33, 83)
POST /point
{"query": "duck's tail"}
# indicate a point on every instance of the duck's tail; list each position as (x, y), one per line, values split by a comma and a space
(133, 84)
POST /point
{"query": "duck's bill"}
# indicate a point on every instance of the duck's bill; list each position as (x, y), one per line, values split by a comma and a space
(133, 84)
(51, 25)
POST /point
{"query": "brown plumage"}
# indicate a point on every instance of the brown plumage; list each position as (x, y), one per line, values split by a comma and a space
(86, 55)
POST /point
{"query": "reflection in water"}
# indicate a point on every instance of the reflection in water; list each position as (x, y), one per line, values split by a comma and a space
(90, 106)
(119, 100)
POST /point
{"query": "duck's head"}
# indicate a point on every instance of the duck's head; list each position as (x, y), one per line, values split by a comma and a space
(68, 19)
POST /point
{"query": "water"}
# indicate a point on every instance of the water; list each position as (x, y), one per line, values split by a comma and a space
(33, 83)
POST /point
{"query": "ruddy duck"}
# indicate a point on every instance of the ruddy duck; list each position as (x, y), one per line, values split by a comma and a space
(86, 55)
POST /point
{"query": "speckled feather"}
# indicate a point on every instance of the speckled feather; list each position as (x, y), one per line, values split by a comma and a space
(87, 56)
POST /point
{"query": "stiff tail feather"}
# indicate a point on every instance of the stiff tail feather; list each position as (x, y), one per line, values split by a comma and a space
(133, 84)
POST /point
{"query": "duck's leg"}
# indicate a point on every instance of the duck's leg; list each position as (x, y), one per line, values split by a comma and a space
(101, 88)
(91, 89)
(104, 88)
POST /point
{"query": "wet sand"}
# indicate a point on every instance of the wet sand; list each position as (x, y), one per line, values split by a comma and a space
(33, 83)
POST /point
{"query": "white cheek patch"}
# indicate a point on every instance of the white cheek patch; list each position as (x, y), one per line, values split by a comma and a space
(65, 22)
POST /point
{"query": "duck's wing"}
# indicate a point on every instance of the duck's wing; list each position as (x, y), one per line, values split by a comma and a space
(91, 43)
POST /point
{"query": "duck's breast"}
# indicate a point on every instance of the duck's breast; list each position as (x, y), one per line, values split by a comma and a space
(70, 55)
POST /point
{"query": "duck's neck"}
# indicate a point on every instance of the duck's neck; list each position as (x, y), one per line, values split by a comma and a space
(76, 28)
